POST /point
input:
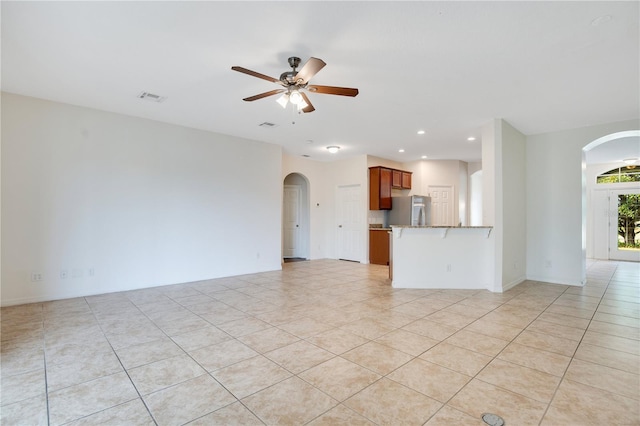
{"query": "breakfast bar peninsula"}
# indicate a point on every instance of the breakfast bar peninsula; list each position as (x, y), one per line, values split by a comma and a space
(442, 257)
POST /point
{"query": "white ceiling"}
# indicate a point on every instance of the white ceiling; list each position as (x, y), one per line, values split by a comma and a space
(444, 67)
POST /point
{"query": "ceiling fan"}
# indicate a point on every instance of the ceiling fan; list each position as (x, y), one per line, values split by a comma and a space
(294, 82)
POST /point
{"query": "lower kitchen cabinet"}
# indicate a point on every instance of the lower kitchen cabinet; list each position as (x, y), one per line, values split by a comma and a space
(379, 246)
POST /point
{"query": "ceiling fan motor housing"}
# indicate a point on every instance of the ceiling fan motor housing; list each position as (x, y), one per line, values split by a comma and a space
(289, 77)
(294, 61)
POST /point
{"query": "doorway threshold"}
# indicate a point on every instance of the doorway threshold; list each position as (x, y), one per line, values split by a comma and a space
(294, 259)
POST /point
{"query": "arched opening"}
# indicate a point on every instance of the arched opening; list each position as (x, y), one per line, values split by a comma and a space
(605, 200)
(295, 218)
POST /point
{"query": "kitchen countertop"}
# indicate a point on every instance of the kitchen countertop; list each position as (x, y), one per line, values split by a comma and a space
(379, 229)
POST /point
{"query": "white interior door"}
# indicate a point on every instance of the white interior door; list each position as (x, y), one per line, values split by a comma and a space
(441, 205)
(291, 221)
(624, 203)
(349, 222)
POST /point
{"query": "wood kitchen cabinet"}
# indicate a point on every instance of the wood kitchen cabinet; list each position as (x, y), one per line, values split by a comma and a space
(406, 180)
(396, 179)
(381, 181)
(379, 188)
(379, 246)
(401, 179)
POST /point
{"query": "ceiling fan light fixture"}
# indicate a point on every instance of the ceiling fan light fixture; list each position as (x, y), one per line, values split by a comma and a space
(302, 105)
(295, 97)
(333, 149)
(283, 100)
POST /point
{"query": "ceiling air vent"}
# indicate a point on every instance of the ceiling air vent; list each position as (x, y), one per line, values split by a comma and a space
(151, 97)
(268, 125)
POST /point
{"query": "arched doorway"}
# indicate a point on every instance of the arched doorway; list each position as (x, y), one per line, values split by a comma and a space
(601, 208)
(295, 218)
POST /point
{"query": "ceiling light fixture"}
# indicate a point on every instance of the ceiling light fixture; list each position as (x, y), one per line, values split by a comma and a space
(293, 96)
(401, 150)
(471, 139)
(333, 149)
(421, 132)
(424, 157)
(283, 100)
(630, 160)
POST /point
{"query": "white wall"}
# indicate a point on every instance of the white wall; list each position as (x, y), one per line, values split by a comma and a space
(556, 237)
(475, 198)
(514, 214)
(492, 195)
(140, 203)
(463, 193)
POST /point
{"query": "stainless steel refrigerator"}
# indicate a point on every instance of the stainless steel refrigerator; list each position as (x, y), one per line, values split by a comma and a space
(412, 210)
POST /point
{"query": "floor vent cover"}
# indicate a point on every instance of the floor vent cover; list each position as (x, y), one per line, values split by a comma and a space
(492, 419)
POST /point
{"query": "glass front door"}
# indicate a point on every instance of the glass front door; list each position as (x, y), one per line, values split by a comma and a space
(625, 225)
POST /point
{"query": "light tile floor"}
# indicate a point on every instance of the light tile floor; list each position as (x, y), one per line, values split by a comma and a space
(324, 343)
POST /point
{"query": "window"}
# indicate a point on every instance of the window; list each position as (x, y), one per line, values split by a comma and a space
(620, 175)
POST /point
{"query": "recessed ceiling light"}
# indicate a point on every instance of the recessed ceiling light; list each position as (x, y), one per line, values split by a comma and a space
(471, 139)
(401, 150)
(333, 149)
(424, 157)
(421, 132)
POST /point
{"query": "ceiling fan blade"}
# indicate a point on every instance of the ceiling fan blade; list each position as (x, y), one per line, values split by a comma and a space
(309, 107)
(256, 74)
(263, 95)
(310, 69)
(332, 90)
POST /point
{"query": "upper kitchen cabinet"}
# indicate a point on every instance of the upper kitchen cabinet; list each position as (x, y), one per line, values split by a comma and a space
(379, 188)
(396, 178)
(406, 180)
(381, 181)
(400, 179)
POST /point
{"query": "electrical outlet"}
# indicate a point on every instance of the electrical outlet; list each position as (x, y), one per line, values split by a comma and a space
(448, 267)
(92, 272)
(64, 274)
(36, 276)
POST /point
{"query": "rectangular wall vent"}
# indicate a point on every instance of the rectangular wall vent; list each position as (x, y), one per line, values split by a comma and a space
(267, 124)
(151, 97)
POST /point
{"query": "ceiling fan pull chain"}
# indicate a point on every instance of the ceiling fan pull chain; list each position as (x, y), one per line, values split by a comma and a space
(293, 113)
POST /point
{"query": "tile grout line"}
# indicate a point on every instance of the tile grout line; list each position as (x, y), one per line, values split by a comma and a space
(562, 379)
(44, 359)
(121, 365)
